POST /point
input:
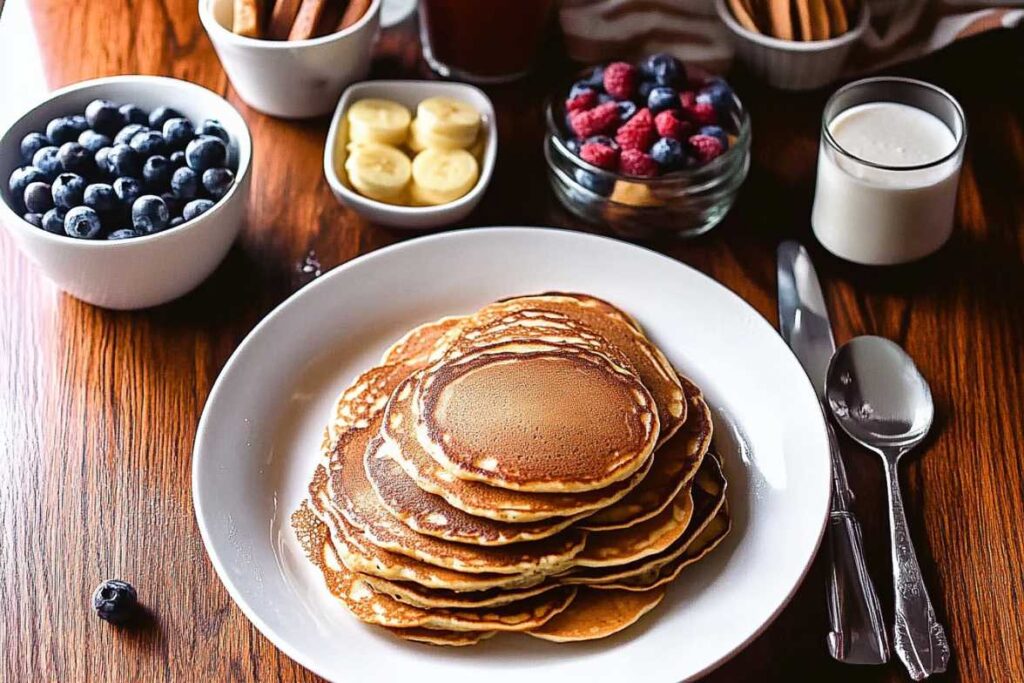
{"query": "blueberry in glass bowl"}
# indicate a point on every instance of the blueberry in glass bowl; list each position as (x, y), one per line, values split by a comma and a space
(86, 236)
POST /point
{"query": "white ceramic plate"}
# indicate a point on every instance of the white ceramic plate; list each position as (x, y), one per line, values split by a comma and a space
(259, 435)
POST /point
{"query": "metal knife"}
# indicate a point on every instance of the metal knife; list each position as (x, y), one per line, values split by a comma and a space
(858, 633)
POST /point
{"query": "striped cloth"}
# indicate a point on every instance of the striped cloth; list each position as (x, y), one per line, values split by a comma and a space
(599, 30)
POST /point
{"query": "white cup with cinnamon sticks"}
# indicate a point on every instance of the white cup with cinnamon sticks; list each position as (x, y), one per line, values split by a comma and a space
(292, 58)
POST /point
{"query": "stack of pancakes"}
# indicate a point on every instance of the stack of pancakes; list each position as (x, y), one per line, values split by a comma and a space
(538, 466)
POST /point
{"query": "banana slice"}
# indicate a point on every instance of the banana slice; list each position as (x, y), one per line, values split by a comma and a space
(449, 117)
(379, 172)
(421, 138)
(440, 176)
(375, 120)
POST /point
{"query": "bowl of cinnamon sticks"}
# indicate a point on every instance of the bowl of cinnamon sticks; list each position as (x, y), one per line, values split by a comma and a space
(292, 58)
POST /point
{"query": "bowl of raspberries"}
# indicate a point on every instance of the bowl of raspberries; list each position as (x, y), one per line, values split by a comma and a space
(648, 147)
(126, 191)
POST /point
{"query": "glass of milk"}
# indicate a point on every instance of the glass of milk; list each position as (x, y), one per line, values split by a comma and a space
(888, 168)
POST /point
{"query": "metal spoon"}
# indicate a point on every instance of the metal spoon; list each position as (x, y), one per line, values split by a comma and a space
(881, 400)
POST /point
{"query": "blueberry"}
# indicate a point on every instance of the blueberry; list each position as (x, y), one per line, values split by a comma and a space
(176, 221)
(205, 152)
(123, 161)
(102, 159)
(595, 79)
(719, 95)
(47, 160)
(53, 221)
(93, 141)
(132, 113)
(115, 601)
(217, 181)
(573, 145)
(101, 197)
(123, 234)
(173, 202)
(213, 127)
(125, 135)
(20, 179)
(82, 222)
(580, 88)
(157, 172)
(159, 116)
(178, 133)
(68, 190)
(38, 198)
(593, 182)
(127, 190)
(76, 159)
(178, 159)
(104, 116)
(35, 219)
(185, 183)
(665, 70)
(195, 208)
(716, 132)
(32, 143)
(147, 143)
(626, 110)
(149, 214)
(669, 154)
(643, 91)
(63, 129)
(662, 98)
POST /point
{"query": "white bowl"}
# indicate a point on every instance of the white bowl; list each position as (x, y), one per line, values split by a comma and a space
(410, 94)
(793, 64)
(142, 271)
(291, 78)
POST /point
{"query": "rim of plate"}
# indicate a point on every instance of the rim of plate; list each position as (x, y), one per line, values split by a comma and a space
(313, 663)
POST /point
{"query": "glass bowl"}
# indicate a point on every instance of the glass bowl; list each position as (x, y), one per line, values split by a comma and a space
(683, 203)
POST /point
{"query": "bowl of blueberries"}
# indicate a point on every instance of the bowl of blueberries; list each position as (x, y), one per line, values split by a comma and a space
(648, 148)
(126, 191)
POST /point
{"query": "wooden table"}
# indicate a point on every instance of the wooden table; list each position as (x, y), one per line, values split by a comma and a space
(100, 408)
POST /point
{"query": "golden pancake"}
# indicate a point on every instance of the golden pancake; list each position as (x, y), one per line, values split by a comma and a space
(429, 514)
(622, 546)
(675, 463)
(477, 498)
(431, 636)
(358, 503)
(418, 343)
(530, 417)
(367, 396)
(597, 614)
(429, 598)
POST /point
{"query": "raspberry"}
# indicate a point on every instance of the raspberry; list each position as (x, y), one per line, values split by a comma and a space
(583, 101)
(705, 147)
(637, 133)
(669, 125)
(602, 156)
(594, 121)
(702, 114)
(620, 80)
(635, 163)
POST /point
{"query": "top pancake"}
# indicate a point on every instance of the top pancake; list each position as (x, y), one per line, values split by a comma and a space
(534, 416)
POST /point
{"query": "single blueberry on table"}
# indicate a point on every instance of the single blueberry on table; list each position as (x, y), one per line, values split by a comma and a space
(150, 214)
(82, 222)
(205, 152)
(102, 160)
(214, 128)
(123, 161)
(178, 158)
(115, 601)
(665, 70)
(68, 190)
(32, 143)
(93, 141)
(195, 208)
(53, 221)
(147, 143)
(127, 189)
(20, 179)
(133, 113)
(157, 172)
(669, 154)
(662, 98)
(47, 160)
(100, 197)
(159, 116)
(76, 159)
(185, 183)
(125, 135)
(62, 129)
(593, 182)
(178, 133)
(104, 116)
(217, 181)
(716, 132)
(38, 197)
(123, 234)
(35, 219)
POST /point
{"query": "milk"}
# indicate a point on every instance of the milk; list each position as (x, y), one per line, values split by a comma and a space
(899, 205)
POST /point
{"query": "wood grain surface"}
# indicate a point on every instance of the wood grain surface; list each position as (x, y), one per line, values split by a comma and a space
(99, 409)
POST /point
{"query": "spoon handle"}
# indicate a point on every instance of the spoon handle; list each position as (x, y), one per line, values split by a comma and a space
(918, 637)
